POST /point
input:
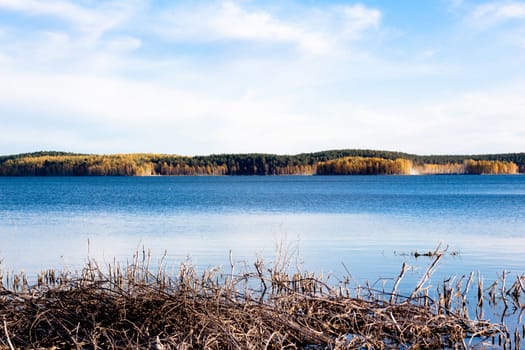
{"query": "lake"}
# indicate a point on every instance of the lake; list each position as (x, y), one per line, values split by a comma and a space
(365, 225)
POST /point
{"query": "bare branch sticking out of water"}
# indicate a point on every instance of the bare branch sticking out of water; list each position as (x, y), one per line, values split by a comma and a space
(404, 270)
(430, 270)
(259, 308)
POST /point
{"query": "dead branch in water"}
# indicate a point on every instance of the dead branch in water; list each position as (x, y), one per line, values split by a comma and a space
(266, 308)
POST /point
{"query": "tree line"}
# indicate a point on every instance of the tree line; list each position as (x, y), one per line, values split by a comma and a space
(321, 163)
(152, 164)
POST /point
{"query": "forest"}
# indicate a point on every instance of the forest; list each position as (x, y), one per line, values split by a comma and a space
(365, 166)
(333, 162)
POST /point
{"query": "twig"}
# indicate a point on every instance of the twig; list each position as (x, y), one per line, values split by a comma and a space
(428, 273)
(404, 269)
(7, 336)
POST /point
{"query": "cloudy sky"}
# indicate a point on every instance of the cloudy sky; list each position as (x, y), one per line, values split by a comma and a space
(284, 76)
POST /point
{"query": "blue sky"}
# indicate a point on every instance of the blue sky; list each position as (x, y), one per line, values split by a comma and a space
(202, 77)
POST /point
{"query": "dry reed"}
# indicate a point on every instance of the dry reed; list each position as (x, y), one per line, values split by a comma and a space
(263, 307)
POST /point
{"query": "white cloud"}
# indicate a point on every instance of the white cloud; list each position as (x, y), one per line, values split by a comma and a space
(99, 98)
(494, 12)
(476, 121)
(165, 118)
(59, 9)
(230, 21)
(85, 43)
(261, 97)
(503, 21)
(358, 18)
(93, 22)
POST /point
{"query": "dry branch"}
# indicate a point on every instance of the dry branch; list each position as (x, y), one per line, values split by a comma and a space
(263, 309)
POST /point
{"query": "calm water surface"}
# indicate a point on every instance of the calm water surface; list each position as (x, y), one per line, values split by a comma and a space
(368, 225)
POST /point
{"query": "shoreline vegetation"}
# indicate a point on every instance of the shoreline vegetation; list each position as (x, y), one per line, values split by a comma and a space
(336, 162)
(255, 307)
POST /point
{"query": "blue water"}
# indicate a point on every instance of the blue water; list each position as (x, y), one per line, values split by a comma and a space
(365, 225)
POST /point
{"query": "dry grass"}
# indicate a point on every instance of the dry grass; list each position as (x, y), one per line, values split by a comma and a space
(134, 307)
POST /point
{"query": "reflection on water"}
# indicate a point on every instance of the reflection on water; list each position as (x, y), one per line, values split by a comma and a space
(368, 225)
(369, 246)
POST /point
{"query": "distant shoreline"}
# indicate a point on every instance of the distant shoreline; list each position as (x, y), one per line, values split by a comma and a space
(333, 162)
